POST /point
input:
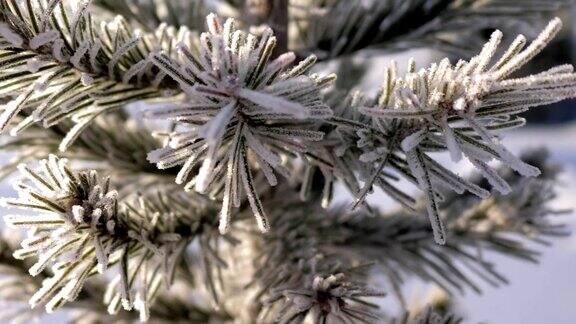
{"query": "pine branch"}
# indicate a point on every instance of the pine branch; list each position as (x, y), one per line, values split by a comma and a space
(241, 104)
(112, 144)
(313, 240)
(242, 110)
(18, 286)
(82, 229)
(238, 119)
(460, 109)
(326, 299)
(429, 316)
(297, 280)
(152, 13)
(485, 225)
(59, 65)
(331, 29)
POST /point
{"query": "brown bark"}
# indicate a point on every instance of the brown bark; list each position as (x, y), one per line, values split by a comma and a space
(273, 13)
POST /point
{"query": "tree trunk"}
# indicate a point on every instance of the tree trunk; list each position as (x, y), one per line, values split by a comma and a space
(273, 13)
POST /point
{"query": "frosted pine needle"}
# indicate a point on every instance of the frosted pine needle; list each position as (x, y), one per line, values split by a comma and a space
(327, 299)
(76, 68)
(461, 109)
(75, 209)
(241, 119)
(242, 102)
(80, 228)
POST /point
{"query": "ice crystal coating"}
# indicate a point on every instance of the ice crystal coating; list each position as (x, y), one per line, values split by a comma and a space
(75, 68)
(328, 299)
(242, 105)
(73, 230)
(239, 116)
(459, 108)
(80, 228)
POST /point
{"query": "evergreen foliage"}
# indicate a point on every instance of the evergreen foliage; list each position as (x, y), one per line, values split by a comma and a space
(150, 216)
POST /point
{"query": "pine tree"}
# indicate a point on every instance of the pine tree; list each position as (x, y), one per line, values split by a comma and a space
(176, 160)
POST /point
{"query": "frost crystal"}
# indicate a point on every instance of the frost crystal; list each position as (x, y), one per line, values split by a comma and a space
(461, 106)
(246, 133)
(242, 104)
(330, 298)
(81, 228)
(71, 232)
(74, 68)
